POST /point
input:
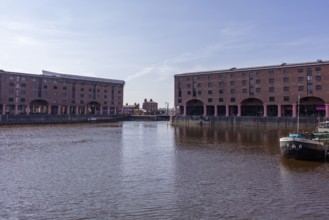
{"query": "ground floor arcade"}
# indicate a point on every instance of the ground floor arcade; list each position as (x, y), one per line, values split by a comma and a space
(42, 107)
(306, 107)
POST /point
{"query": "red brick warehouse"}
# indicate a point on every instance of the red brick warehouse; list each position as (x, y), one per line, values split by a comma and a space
(55, 93)
(256, 91)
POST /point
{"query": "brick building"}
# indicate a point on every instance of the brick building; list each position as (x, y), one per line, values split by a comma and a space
(279, 91)
(54, 93)
(150, 107)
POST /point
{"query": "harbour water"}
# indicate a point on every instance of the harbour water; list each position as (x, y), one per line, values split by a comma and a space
(151, 170)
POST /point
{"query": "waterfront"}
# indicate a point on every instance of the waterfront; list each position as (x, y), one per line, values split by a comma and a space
(151, 170)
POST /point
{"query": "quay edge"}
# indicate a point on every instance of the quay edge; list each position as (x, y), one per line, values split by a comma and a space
(308, 123)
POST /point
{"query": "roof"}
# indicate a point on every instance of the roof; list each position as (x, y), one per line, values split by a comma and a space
(69, 76)
(234, 69)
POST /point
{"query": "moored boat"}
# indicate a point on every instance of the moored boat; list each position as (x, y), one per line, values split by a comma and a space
(323, 126)
(306, 146)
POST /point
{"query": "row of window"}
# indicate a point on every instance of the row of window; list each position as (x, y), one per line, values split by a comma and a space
(251, 82)
(232, 99)
(257, 90)
(64, 88)
(23, 100)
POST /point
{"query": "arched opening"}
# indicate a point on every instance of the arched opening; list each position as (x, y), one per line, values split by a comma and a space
(93, 108)
(311, 107)
(252, 107)
(39, 106)
(194, 107)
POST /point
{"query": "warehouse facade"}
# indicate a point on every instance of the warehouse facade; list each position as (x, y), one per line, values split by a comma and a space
(55, 93)
(285, 90)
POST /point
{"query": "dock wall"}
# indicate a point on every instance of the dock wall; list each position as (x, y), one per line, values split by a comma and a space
(278, 122)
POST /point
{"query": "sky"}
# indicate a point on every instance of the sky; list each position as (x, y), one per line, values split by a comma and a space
(147, 42)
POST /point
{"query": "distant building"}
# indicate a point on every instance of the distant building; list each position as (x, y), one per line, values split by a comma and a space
(55, 93)
(150, 107)
(131, 109)
(277, 91)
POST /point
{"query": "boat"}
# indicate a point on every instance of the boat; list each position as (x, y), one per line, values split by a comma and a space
(323, 126)
(313, 146)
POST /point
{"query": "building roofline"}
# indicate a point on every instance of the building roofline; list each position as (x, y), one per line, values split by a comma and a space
(77, 77)
(234, 69)
(66, 76)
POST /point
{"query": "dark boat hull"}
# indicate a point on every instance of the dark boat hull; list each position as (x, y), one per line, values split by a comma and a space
(303, 149)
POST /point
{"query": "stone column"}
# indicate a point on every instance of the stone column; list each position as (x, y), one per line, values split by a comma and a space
(108, 110)
(16, 109)
(279, 110)
(327, 110)
(4, 109)
(185, 112)
(28, 109)
(239, 110)
(59, 110)
(49, 110)
(265, 110)
(216, 110)
(101, 110)
(204, 110)
(294, 110)
(86, 110)
(68, 108)
(115, 110)
(227, 110)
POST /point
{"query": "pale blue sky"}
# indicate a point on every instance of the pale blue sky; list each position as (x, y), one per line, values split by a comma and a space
(147, 42)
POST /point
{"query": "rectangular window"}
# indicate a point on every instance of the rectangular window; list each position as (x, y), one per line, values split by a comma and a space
(285, 79)
(11, 84)
(270, 71)
(55, 87)
(209, 99)
(209, 92)
(232, 83)
(209, 77)
(244, 90)
(221, 83)
(286, 98)
(271, 89)
(209, 84)
(300, 79)
(199, 85)
(188, 92)
(188, 85)
(258, 81)
(22, 99)
(318, 69)
(11, 100)
(232, 91)
(309, 70)
(179, 100)
(258, 90)
(286, 89)
(220, 100)
(271, 80)
(300, 88)
(318, 78)
(45, 87)
(318, 87)
(232, 99)
(272, 99)
(199, 92)
(244, 82)
(285, 71)
(300, 70)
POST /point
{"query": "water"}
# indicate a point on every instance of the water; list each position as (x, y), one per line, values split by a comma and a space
(151, 170)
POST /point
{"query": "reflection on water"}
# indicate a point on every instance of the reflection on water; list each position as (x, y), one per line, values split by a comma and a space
(151, 170)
